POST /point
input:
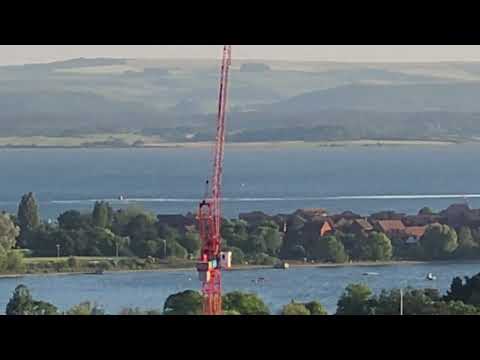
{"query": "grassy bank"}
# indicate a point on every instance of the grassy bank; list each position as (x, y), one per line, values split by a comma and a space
(88, 265)
(91, 265)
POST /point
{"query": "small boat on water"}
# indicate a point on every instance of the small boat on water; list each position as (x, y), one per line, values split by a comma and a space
(371, 274)
(431, 277)
(282, 265)
(259, 280)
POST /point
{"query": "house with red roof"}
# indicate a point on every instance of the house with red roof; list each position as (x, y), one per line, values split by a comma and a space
(391, 228)
(414, 234)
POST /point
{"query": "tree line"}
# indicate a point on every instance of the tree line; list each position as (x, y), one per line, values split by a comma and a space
(135, 233)
(463, 298)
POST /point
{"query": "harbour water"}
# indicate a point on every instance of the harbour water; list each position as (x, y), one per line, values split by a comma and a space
(149, 290)
(278, 180)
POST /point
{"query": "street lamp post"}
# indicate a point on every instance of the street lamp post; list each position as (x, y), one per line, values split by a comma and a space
(401, 296)
(58, 250)
(401, 301)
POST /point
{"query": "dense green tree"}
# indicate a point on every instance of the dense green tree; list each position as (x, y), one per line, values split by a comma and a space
(356, 300)
(227, 231)
(415, 302)
(43, 308)
(310, 308)
(85, 308)
(439, 241)
(102, 215)
(467, 247)
(426, 211)
(190, 241)
(98, 241)
(22, 303)
(295, 309)
(454, 308)
(119, 244)
(28, 216)
(235, 233)
(139, 312)
(142, 229)
(273, 238)
(376, 247)
(294, 238)
(256, 244)
(11, 261)
(327, 249)
(244, 304)
(263, 259)
(14, 262)
(297, 252)
(467, 292)
(351, 243)
(176, 250)
(316, 308)
(122, 217)
(43, 242)
(265, 238)
(73, 220)
(8, 232)
(188, 302)
(3, 259)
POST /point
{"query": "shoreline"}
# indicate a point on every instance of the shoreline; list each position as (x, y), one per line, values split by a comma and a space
(241, 145)
(254, 267)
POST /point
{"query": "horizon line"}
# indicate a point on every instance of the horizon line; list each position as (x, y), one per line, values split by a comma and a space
(368, 62)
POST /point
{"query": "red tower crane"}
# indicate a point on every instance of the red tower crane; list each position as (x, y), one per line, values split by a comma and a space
(212, 260)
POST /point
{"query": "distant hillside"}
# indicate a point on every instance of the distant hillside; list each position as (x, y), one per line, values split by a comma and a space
(70, 64)
(52, 113)
(452, 97)
(270, 100)
(353, 125)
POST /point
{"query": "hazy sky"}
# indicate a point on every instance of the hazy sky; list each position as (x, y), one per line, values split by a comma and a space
(20, 54)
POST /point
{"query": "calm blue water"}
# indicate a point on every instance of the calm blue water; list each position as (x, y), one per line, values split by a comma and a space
(150, 289)
(272, 180)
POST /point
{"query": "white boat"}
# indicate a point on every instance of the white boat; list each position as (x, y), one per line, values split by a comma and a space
(431, 277)
(371, 274)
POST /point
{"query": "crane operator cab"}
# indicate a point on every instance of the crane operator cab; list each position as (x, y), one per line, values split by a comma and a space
(204, 267)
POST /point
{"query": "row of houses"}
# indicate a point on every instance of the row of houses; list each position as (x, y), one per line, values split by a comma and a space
(409, 228)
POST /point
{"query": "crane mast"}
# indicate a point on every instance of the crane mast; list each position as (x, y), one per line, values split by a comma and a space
(209, 217)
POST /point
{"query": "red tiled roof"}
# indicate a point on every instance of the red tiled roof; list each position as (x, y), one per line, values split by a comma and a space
(415, 231)
(391, 225)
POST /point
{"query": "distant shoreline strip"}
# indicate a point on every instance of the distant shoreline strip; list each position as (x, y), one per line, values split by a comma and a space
(278, 199)
(258, 199)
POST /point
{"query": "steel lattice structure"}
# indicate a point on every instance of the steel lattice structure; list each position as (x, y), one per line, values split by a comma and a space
(209, 217)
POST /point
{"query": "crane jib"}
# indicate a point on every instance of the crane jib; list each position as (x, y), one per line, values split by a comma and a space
(212, 260)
